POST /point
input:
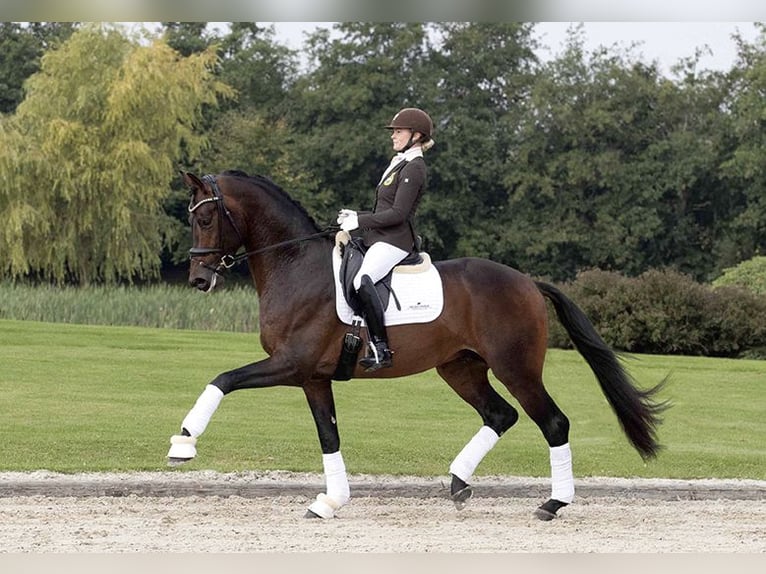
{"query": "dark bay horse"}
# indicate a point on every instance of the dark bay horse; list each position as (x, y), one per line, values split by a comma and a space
(494, 317)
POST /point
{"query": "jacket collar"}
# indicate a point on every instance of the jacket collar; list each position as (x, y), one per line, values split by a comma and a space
(399, 158)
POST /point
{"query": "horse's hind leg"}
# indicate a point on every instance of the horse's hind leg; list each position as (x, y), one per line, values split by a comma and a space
(555, 428)
(467, 375)
(524, 381)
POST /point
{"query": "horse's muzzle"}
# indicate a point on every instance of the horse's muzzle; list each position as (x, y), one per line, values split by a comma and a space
(204, 284)
(203, 276)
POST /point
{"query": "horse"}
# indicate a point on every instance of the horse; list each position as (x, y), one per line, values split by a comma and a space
(494, 318)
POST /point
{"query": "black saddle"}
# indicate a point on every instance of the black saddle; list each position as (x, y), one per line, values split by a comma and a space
(352, 254)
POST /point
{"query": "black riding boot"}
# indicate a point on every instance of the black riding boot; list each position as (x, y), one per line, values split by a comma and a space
(378, 355)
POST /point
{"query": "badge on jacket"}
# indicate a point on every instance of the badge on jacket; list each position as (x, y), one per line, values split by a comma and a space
(390, 179)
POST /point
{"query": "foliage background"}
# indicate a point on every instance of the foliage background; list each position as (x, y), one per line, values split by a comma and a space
(591, 161)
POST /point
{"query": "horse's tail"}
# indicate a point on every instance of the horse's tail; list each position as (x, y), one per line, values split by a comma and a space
(637, 410)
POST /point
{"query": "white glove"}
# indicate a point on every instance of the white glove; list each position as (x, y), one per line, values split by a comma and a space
(350, 222)
(344, 213)
(348, 219)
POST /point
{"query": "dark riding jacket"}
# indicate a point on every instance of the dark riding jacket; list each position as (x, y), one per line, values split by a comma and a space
(396, 200)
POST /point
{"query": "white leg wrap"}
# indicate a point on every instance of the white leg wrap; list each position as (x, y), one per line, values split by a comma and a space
(562, 479)
(182, 447)
(336, 478)
(338, 491)
(468, 459)
(198, 418)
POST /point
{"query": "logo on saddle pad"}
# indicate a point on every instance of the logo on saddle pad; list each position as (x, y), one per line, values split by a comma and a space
(410, 294)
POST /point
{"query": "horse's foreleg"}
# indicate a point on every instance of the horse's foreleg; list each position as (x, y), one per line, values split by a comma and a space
(322, 405)
(267, 373)
(183, 447)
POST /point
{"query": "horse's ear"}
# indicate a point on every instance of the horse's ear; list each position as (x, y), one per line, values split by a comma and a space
(191, 180)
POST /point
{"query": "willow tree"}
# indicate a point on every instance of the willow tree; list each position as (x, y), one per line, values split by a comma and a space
(88, 158)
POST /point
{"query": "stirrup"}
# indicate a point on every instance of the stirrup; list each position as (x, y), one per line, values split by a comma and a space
(378, 357)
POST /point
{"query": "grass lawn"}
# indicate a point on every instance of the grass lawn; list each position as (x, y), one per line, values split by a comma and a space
(79, 398)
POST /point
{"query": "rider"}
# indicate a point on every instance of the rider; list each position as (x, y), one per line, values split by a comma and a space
(388, 231)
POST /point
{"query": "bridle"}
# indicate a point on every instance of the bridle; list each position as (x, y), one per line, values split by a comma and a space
(222, 211)
(228, 261)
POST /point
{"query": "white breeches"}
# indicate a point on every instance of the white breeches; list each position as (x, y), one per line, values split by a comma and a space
(380, 258)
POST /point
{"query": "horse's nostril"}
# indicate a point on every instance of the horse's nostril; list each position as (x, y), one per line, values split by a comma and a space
(199, 282)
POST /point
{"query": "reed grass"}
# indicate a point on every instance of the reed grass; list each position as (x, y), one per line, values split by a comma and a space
(234, 308)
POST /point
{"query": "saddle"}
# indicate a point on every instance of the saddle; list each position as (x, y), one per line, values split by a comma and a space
(352, 254)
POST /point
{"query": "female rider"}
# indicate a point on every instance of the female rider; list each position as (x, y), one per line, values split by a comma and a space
(388, 230)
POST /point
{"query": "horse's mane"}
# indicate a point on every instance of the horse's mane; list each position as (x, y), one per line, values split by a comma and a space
(268, 183)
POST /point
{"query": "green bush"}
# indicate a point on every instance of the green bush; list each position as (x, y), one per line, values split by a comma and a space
(750, 275)
(666, 312)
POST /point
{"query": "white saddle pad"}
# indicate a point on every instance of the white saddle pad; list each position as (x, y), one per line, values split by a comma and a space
(420, 294)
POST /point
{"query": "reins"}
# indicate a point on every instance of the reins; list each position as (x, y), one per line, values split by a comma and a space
(229, 261)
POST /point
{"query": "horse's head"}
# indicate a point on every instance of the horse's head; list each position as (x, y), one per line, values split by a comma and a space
(215, 235)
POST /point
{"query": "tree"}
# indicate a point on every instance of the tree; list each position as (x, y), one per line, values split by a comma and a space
(21, 47)
(745, 170)
(339, 108)
(472, 81)
(248, 140)
(750, 274)
(187, 38)
(256, 67)
(613, 168)
(88, 158)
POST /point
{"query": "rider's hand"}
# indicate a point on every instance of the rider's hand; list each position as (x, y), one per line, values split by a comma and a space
(344, 213)
(348, 219)
(350, 222)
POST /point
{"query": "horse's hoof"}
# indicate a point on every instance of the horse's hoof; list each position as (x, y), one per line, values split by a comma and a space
(323, 507)
(547, 511)
(182, 449)
(544, 514)
(461, 497)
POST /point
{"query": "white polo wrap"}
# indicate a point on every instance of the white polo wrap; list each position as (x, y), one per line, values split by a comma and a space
(468, 459)
(199, 416)
(562, 479)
